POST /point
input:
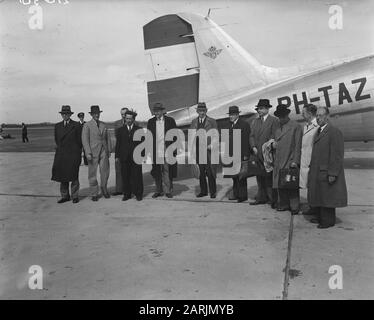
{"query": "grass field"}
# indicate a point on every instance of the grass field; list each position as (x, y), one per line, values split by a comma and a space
(42, 140)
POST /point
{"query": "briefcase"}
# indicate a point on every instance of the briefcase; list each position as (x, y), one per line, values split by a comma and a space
(289, 178)
(195, 170)
(250, 168)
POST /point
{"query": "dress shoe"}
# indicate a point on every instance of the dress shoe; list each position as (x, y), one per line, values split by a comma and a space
(62, 200)
(309, 212)
(241, 200)
(213, 196)
(105, 193)
(116, 193)
(139, 198)
(233, 198)
(95, 198)
(314, 220)
(200, 195)
(320, 226)
(157, 194)
(255, 203)
(75, 200)
(283, 209)
(273, 205)
(169, 195)
(294, 212)
(125, 198)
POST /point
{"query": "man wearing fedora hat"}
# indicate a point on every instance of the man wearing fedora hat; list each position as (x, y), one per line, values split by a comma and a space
(131, 170)
(97, 146)
(81, 123)
(117, 125)
(240, 192)
(68, 155)
(163, 173)
(287, 147)
(206, 169)
(262, 130)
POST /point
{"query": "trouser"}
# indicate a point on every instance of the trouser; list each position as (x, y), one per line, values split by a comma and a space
(24, 138)
(206, 171)
(240, 188)
(265, 191)
(64, 189)
(132, 178)
(326, 216)
(289, 198)
(103, 162)
(163, 181)
(118, 177)
(84, 159)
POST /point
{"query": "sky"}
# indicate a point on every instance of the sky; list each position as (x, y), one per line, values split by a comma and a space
(91, 52)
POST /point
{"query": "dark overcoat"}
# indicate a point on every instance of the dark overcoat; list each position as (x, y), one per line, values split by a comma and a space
(327, 160)
(261, 132)
(68, 152)
(169, 123)
(245, 131)
(288, 138)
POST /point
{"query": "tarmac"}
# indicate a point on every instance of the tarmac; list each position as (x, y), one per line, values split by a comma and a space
(180, 248)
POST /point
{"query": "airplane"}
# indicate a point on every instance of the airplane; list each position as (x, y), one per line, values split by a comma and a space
(191, 59)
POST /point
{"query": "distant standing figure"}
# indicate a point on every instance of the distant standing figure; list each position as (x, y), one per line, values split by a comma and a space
(82, 122)
(327, 189)
(97, 146)
(117, 125)
(68, 155)
(24, 133)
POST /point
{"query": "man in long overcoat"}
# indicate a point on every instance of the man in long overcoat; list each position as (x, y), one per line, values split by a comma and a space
(81, 123)
(206, 169)
(68, 155)
(240, 192)
(262, 130)
(287, 155)
(163, 173)
(327, 189)
(117, 166)
(132, 176)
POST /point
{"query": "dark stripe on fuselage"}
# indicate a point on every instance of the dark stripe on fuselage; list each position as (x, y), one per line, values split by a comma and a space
(166, 31)
(174, 93)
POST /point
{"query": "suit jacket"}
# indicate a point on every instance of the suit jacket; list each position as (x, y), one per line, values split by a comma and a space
(288, 150)
(68, 152)
(245, 131)
(96, 139)
(213, 142)
(327, 160)
(125, 143)
(169, 123)
(262, 132)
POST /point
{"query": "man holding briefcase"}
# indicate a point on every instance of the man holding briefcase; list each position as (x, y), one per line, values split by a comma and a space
(287, 147)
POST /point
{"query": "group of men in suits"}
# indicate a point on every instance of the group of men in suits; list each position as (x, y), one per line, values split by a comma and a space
(277, 143)
(317, 151)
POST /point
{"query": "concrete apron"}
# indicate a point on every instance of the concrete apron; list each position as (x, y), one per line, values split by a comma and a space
(179, 248)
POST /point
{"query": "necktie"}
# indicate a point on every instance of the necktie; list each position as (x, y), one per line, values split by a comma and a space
(98, 123)
(64, 124)
(319, 130)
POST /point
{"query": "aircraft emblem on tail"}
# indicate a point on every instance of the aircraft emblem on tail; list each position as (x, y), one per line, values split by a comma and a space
(212, 52)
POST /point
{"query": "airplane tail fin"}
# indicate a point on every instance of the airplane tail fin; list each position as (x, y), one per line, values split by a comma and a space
(192, 59)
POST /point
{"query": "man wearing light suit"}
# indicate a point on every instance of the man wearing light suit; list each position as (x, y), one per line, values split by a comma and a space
(97, 146)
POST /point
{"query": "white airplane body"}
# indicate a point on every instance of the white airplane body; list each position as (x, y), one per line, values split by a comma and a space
(192, 59)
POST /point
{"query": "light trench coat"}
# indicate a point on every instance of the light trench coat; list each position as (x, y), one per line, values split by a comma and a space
(309, 132)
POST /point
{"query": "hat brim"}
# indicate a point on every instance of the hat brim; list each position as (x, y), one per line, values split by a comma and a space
(282, 113)
(261, 106)
(95, 112)
(235, 112)
(66, 112)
